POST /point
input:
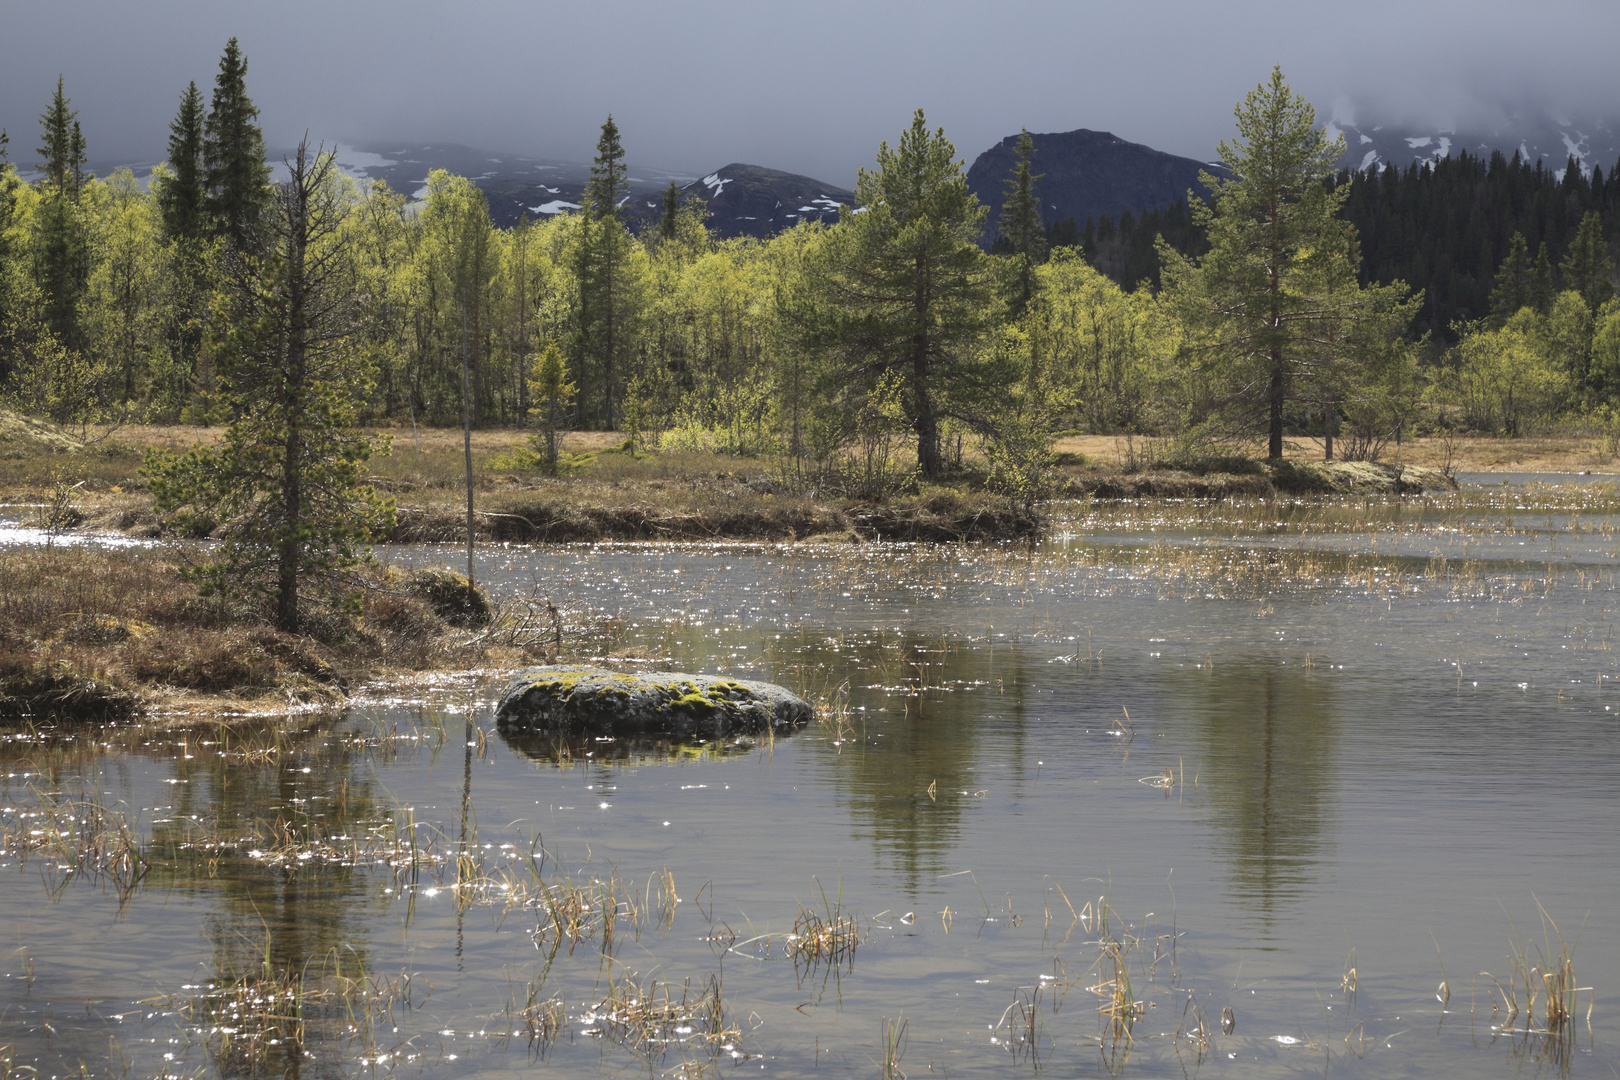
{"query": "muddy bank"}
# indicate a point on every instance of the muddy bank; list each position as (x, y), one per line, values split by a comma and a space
(1262, 479)
(940, 517)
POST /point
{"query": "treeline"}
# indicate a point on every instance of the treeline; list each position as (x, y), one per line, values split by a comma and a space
(828, 345)
(1442, 227)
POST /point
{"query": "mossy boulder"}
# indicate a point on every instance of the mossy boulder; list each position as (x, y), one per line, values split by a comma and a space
(590, 700)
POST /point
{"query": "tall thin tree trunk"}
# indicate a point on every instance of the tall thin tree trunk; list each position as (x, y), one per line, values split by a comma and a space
(292, 393)
(1274, 395)
(466, 437)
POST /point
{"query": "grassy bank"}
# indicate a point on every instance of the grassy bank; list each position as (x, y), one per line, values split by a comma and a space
(608, 494)
(91, 634)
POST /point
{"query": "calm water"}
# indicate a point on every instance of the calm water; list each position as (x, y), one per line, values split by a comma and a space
(1269, 750)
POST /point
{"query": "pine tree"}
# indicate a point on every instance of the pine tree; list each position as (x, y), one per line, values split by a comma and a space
(63, 248)
(904, 292)
(1541, 282)
(1275, 309)
(1587, 267)
(286, 479)
(1512, 290)
(233, 154)
(1021, 221)
(183, 196)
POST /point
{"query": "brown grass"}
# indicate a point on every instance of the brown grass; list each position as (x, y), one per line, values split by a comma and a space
(1472, 453)
(95, 634)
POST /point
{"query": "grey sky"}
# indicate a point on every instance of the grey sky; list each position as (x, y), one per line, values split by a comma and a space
(807, 87)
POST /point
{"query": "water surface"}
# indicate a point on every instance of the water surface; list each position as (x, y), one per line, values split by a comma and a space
(1268, 745)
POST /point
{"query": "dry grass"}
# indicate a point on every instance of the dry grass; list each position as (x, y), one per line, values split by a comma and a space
(1469, 453)
(89, 633)
(1542, 990)
(647, 1018)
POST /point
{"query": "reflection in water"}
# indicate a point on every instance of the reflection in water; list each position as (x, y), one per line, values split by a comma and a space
(563, 750)
(1270, 734)
(922, 711)
(258, 825)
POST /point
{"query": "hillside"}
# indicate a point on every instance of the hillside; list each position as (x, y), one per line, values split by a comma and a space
(747, 200)
(1086, 174)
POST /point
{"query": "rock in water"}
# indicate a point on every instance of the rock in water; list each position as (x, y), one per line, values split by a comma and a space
(572, 698)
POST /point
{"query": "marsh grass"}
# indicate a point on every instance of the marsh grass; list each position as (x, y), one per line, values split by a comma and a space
(645, 1017)
(250, 1017)
(828, 936)
(82, 836)
(892, 1046)
(1542, 989)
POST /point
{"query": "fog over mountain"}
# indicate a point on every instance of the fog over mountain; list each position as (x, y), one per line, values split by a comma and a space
(806, 88)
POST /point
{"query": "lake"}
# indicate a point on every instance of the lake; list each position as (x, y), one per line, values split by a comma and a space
(1226, 789)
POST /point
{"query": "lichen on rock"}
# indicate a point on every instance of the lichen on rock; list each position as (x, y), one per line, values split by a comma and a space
(572, 698)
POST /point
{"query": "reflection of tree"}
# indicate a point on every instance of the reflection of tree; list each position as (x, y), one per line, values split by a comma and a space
(945, 702)
(281, 922)
(1270, 735)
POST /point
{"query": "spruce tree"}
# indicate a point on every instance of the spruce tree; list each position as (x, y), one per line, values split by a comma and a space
(63, 251)
(233, 154)
(1020, 222)
(1541, 282)
(602, 256)
(672, 205)
(1512, 289)
(183, 196)
(1587, 267)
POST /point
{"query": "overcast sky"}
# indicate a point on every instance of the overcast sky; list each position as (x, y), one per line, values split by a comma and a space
(808, 87)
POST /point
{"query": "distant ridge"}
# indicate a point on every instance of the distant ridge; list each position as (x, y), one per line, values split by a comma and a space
(749, 200)
(1087, 174)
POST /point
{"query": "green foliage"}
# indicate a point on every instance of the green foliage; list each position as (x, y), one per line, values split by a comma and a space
(903, 289)
(1275, 312)
(285, 483)
(607, 279)
(1020, 222)
(182, 194)
(61, 239)
(1503, 380)
(1587, 268)
(551, 391)
(233, 154)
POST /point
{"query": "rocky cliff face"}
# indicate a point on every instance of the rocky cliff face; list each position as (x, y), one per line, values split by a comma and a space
(1086, 174)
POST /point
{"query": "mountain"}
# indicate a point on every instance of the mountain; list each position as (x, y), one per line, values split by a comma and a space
(1085, 174)
(1592, 144)
(747, 200)
(515, 186)
(743, 200)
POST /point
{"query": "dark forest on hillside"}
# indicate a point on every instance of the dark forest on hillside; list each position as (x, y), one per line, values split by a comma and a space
(1443, 228)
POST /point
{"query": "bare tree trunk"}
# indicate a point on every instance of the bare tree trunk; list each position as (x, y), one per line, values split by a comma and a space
(291, 388)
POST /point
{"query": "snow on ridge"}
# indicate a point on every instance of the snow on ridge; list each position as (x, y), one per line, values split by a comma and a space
(555, 206)
(1369, 160)
(1418, 142)
(716, 184)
